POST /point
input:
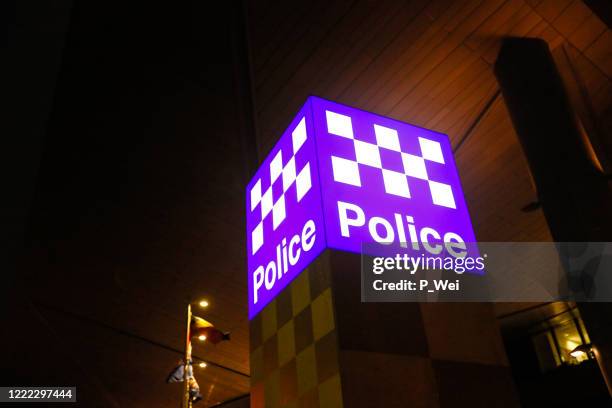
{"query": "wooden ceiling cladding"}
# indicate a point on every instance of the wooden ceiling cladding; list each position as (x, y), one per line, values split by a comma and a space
(428, 63)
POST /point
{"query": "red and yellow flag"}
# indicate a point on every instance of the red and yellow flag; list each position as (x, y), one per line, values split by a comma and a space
(202, 327)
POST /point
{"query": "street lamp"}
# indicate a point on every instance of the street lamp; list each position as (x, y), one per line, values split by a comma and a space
(204, 331)
(186, 399)
(581, 350)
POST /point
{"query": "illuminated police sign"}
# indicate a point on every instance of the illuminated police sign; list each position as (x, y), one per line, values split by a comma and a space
(340, 177)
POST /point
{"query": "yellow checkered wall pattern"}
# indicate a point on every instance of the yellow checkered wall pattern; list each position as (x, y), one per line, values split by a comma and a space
(294, 346)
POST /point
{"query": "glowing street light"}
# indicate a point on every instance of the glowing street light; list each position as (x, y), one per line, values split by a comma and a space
(581, 350)
(200, 328)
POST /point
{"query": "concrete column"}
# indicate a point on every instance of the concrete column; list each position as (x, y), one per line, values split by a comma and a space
(575, 198)
(317, 345)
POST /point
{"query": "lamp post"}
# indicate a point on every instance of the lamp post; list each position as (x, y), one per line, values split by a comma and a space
(186, 400)
(188, 367)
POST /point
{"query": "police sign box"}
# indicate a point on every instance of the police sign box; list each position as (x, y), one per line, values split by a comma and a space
(340, 177)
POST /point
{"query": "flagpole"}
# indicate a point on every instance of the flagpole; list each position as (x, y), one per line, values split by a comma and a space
(186, 400)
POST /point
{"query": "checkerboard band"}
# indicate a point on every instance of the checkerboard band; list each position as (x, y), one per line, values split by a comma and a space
(294, 346)
(282, 171)
(396, 183)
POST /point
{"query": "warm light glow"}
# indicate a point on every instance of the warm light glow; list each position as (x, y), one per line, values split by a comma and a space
(202, 364)
(570, 345)
(581, 352)
(201, 337)
(590, 149)
(203, 303)
(577, 353)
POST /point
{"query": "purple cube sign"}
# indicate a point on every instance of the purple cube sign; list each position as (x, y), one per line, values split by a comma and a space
(339, 178)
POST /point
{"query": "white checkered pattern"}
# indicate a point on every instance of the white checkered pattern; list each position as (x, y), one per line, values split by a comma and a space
(286, 174)
(396, 183)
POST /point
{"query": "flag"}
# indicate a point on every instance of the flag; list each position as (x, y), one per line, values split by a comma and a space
(178, 373)
(201, 327)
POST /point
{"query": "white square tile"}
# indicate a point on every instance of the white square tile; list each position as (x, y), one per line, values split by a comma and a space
(276, 166)
(442, 194)
(257, 238)
(367, 153)
(303, 182)
(339, 125)
(396, 183)
(431, 150)
(266, 203)
(299, 135)
(289, 174)
(346, 171)
(278, 212)
(414, 166)
(387, 138)
(255, 194)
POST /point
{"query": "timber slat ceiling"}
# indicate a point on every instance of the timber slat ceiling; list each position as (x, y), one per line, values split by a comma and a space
(428, 63)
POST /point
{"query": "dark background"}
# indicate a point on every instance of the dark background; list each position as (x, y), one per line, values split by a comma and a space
(128, 130)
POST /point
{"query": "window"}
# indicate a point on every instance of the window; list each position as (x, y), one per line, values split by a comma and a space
(555, 339)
